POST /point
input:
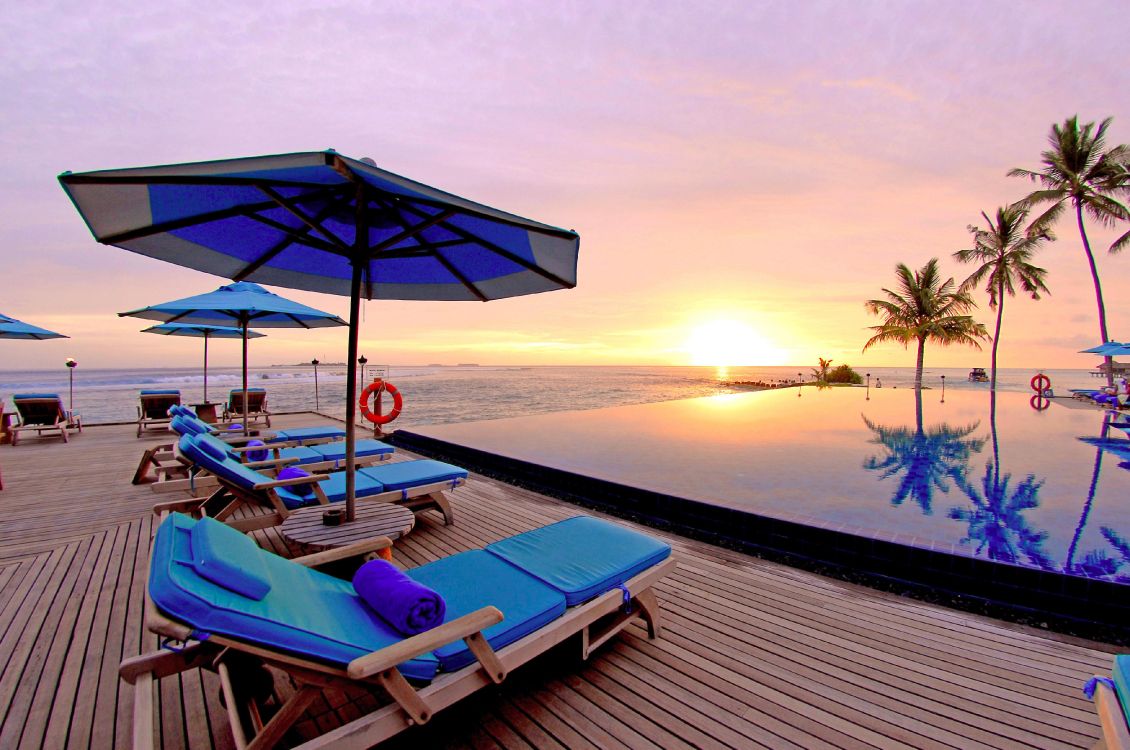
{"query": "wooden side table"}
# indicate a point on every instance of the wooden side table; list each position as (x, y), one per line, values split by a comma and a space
(206, 412)
(304, 526)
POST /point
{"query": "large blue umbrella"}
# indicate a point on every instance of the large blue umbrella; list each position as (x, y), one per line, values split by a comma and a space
(239, 304)
(327, 223)
(10, 328)
(205, 332)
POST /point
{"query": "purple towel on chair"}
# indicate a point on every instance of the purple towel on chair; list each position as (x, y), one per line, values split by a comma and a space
(260, 455)
(406, 605)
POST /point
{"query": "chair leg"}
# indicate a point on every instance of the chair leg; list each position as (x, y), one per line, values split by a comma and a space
(649, 611)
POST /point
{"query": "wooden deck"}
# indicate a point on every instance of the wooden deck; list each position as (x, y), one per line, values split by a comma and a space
(753, 654)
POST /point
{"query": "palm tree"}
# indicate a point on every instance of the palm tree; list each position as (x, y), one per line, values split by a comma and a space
(1004, 249)
(1078, 168)
(821, 373)
(924, 308)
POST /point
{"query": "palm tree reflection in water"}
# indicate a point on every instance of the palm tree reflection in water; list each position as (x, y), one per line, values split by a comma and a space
(926, 459)
(1098, 563)
(994, 519)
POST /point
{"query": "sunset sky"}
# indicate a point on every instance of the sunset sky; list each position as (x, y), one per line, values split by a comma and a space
(745, 172)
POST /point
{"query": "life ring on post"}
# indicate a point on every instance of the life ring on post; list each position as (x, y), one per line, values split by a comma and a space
(377, 386)
(1041, 384)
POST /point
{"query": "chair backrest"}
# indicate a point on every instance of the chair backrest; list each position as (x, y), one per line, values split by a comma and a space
(155, 404)
(256, 398)
(39, 408)
(227, 470)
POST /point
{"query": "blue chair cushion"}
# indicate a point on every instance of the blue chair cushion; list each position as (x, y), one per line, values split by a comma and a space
(301, 454)
(309, 433)
(406, 474)
(35, 395)
(160, 392)
(229, 469)
(469, 581)
(1121, 676)
(582, 557)
(229, 559)
(336, 451)
(334, 487)
(305, 612)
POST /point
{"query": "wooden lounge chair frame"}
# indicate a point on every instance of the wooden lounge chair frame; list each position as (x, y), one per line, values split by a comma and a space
(158, 462)
(155, 404)
(256, 406)
(62, 420)
(598, 620)
(229, 498)
(1116, 734)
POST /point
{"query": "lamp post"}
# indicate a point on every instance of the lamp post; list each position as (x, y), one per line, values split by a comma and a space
(361, 361)
(71, 365)
(317, 403)
(943, 389)
(799, 383)
(868, 386)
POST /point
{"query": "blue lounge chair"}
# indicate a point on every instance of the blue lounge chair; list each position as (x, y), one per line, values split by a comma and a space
(153, 411)
(1112, 703)
(42, 412)
(418, 485)
(239, 608)
(292, 436)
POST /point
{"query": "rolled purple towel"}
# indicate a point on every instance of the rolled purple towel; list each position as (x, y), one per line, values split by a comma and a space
(406, 605)
(292, 472)
(260, 455)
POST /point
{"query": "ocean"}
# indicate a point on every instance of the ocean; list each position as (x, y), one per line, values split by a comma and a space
(442, 395)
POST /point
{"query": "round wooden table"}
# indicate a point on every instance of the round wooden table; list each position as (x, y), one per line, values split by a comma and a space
(304, 526)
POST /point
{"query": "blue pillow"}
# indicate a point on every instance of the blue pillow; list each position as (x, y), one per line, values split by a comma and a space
(290, 472)
(229, 559)
(212, 449)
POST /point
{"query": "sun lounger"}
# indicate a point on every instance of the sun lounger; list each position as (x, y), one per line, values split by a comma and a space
(43, 412)
(418, 485)
(256, 405)
(1111, 697)
(153, 411)
(162, 465)
(238, 609)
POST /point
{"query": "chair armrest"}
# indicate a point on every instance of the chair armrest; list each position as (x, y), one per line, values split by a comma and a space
(312, 479)
(388, 657)
(356, 549)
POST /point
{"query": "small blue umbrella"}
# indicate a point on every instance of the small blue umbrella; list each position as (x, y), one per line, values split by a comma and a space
(1109, 349)
(10, 328)
(239, 304)
(326, 223)
(202, 331)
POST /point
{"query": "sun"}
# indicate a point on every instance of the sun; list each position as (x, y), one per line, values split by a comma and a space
(721, 343)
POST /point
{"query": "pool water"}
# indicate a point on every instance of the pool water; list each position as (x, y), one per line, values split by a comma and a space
(1041, 488)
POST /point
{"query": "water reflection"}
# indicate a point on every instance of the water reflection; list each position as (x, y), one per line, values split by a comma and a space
(994, 518)
(925, 459)
(1099, 563)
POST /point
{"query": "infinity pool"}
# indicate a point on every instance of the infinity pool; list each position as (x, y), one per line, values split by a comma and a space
(1020, 486)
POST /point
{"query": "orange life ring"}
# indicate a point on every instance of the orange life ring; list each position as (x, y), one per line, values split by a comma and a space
(374, 387)
(1037, 380)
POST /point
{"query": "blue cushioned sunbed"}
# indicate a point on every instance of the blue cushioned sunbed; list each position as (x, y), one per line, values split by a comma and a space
(160, 392)
(1121, 677)
(299, 455)
(373, 480)
(581, 557)
(219, 581)
(300, 434)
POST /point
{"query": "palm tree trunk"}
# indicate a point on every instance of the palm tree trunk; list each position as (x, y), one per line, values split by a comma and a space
(997, 336)
(1098, 290)
(921, 361)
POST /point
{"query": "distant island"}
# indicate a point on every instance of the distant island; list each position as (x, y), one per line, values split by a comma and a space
(307, 364)
(467, 364)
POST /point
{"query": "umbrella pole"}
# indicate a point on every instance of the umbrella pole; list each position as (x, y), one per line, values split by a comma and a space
(246, 431)
(205, 366)
(351, 393)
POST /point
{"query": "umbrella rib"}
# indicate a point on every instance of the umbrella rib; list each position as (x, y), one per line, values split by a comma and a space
(410, 231)
(459, 275)
(333, 238)
(293, 235)
(339, 166)
(528, 265)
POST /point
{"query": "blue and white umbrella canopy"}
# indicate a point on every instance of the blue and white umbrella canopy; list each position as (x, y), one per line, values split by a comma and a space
(324, 222)
(10, 328)
(239, 305)
(202, 331)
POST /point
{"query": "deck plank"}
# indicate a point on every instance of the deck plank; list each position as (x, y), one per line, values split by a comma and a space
(754, 654)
